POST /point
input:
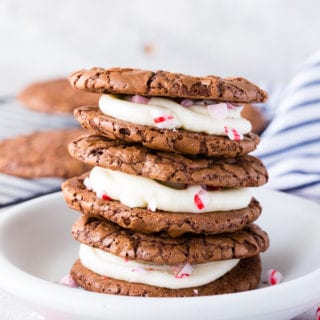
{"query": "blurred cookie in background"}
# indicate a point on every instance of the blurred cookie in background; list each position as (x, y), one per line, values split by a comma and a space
(41, 154)
(254, 114)
(55, 96)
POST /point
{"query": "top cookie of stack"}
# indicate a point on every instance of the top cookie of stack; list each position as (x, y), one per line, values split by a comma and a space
(170, 111)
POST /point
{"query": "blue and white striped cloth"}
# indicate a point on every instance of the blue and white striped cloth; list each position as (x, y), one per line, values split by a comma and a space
(290, 146)
(16, 120)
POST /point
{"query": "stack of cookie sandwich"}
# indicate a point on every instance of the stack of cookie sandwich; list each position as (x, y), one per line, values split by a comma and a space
(166, 209)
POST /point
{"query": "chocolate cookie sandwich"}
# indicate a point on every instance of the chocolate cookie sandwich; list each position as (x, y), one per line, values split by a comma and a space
(169, 111)
(55, 96)
(167, 208)
(117, 261)
(155, 191)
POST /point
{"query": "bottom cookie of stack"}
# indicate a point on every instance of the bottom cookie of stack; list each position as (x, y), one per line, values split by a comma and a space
(114, 260)
(244, 276)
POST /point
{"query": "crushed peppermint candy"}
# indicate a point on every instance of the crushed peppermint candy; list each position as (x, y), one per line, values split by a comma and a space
(140, 99)
(182, 270)
(218, 111)
(195, 292)
(186, 102)
(102, 195)
(233, 106)
(272, 277)
(318, 313)
(106, 197)
(233, 134)
(201, 199)
(163, 119)
(68, 281)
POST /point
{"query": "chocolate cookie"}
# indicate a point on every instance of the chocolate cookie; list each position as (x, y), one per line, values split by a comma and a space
(244, 276)
(166, 84)
(78, 197)
(246, 171)
(55, 96)
(256, 117)
(41, 154)
(178, 140)
(161, 249)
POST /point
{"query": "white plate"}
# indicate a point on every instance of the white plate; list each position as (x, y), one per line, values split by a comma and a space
(36, 249)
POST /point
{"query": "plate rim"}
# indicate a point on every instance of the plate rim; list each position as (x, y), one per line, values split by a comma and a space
(103, 301)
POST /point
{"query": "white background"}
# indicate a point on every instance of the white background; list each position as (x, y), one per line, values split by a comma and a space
(263, 40)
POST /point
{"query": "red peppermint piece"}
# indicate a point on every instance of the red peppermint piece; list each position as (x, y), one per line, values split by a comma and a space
(106, 197)
(274, 277)
(233, 134)
(163, 119)
(318, 314)
(201, 199)
(198, 202)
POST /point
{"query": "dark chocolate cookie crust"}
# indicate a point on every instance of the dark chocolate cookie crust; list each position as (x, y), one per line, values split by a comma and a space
(178, 141)
(138, 160)
(166, 84)
(41, 154)
(79, 198)
(162, 249)
(245, 276)
(55, 96)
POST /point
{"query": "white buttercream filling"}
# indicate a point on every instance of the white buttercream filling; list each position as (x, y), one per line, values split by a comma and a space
(195, 118)
(109, 265)
(137, 191)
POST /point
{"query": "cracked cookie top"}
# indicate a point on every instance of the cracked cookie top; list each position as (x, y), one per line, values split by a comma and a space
(166, 84)
(100, 233)
(136, 159)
